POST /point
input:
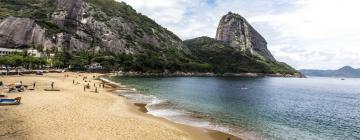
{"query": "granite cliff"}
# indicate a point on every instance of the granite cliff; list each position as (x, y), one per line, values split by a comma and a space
(237, 48)
(103, 25)
(234, 30)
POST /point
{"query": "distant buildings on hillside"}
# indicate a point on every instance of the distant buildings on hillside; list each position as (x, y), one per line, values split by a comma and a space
(31, 52)
(6, 51)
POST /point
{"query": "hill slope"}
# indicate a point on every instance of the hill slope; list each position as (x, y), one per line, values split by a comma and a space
(345, 71)
(225, 58)
(91, 26)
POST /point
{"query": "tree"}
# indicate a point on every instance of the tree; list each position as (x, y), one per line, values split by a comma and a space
(4, 60)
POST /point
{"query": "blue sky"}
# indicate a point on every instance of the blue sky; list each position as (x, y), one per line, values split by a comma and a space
(319, 34)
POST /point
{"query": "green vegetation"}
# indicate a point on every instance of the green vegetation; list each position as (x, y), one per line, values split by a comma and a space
(38, 10)
(29, 62)
(120, 9)
(224, 58)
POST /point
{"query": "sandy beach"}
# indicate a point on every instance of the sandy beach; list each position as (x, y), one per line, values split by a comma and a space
(73, 113)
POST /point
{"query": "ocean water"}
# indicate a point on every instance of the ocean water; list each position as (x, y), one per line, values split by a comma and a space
(255, 108)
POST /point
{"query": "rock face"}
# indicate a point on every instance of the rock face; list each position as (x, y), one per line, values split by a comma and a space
(20, 31)
(233, 29)
(102, 25)
(224, 58)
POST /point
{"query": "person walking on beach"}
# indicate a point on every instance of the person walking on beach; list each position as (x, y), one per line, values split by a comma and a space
(34, 84)
(84, 88)
(73, 81)
(52, 85)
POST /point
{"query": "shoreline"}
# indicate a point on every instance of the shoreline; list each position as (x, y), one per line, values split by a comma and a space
(198, 74)
(72, 113)
(141, 107)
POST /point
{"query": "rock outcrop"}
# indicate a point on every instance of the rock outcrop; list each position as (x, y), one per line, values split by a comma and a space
(233, 29)
(20, 31)
(102, 25)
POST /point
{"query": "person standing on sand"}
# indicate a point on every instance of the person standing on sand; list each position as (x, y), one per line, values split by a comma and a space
(34, 84)
(52, 85)
(73, 81)
(96, 91)
(84, 88)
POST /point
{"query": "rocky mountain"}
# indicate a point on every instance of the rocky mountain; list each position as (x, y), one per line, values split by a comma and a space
(103, 25)
(237, 47)
(225, 58)
(234, 30)
(114, 34)
(346, 71)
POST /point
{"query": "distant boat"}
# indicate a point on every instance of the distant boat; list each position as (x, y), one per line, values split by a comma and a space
(342, 79)
(244, 87)
(15, 101)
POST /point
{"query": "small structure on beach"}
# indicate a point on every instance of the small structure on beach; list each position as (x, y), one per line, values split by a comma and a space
(95, 67)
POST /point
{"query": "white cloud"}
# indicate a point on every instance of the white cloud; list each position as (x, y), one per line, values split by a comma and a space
(321, 34)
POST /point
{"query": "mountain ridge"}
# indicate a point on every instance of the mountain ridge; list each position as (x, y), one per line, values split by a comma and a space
(113, 33)
(346, 71)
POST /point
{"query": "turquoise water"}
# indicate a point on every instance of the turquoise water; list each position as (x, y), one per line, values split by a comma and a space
(256, 108)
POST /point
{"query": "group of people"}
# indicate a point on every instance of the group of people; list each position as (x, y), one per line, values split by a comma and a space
(87, 86)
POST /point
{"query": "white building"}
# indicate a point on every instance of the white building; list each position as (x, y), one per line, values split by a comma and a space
(6, 51)
(33, 52)
(95, 66)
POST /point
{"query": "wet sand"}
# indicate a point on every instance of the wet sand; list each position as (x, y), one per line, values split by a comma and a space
(73, 113)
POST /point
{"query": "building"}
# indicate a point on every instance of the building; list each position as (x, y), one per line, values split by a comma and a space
(6, 51)
(33, 52)
(95, 66)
